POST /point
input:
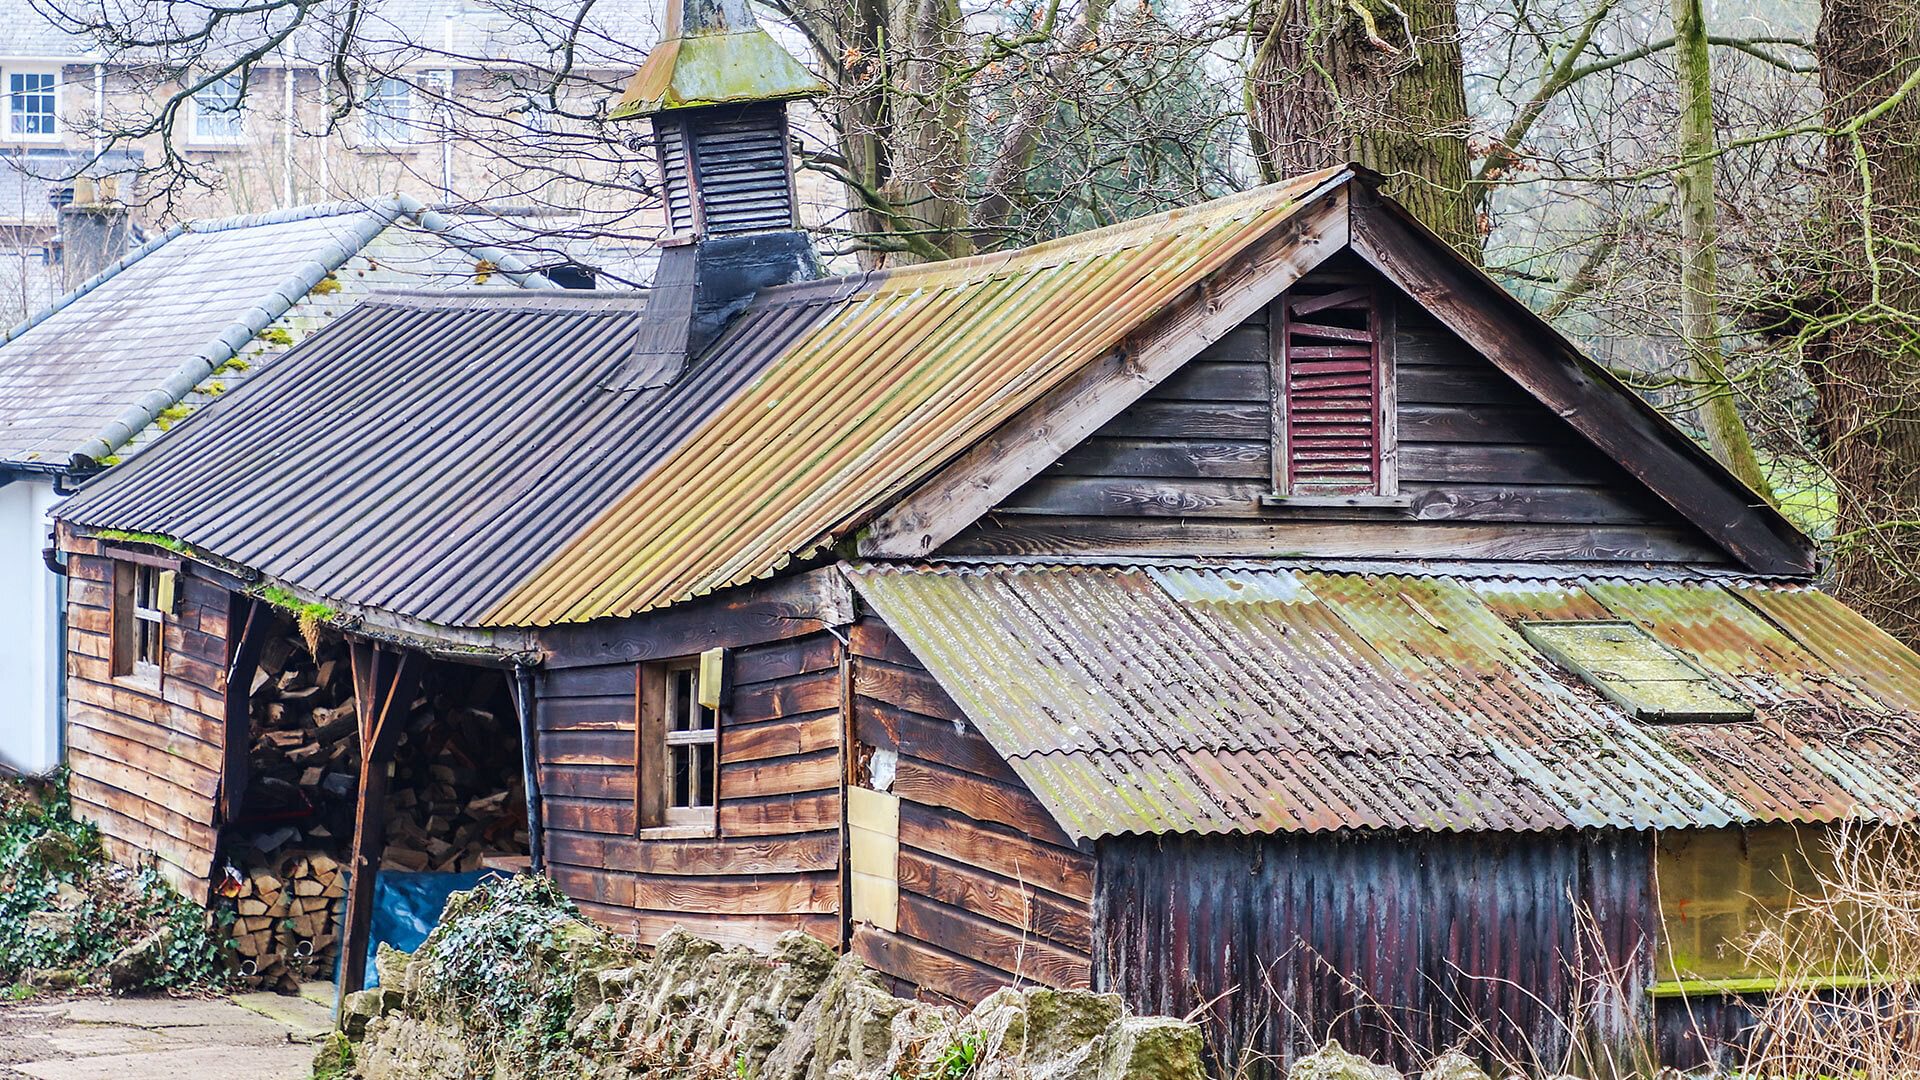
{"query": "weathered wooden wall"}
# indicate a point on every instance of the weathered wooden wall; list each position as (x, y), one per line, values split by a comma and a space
(991, 891)
(1393, 944)
(774, 864)
(1490, 472)
(147, 759)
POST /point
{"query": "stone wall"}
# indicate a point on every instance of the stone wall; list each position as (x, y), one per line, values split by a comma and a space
(515, 983)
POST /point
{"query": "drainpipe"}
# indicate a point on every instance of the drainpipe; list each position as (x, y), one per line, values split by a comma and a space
(525, 704)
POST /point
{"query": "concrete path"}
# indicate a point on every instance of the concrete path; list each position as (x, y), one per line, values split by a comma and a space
(248, 1037)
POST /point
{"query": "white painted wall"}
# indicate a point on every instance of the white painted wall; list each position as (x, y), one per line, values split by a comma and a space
(30, 655)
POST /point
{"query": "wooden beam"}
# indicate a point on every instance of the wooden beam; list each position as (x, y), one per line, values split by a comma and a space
(785, 607)
(381, 678)
(1600, 407)
(241, 666)
(996, 466)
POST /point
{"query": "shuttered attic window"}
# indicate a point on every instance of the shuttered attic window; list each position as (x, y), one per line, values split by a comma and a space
(1639, 673)
(1332, 426)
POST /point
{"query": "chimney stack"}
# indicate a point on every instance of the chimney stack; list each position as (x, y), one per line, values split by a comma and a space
(94, 230)
(715, 91)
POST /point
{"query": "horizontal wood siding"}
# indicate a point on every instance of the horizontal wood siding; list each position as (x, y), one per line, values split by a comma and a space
(1488, 472)
(146, 759)
(991, 891)
(1397, 945)
(775, 863)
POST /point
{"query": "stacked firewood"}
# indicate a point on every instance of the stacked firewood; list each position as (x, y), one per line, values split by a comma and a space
(287, 920)
(305, 759)
(454, 800)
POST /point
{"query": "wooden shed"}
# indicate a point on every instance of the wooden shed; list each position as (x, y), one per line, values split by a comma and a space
(1251, 610)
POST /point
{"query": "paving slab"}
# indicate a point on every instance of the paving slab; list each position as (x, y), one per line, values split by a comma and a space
(261, 1037)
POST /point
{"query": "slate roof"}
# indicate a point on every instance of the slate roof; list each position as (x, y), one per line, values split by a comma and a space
(1196, 699)
(81, 378)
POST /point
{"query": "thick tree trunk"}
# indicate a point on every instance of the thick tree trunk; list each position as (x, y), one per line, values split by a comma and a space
(1369, 81)
(1699, 258)
(1864, 360)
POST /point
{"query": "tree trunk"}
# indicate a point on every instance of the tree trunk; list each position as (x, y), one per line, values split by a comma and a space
(1863, 355)
(1699, 257)
(1369, 81)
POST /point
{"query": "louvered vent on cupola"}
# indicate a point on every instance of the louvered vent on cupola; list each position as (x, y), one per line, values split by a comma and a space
(1332, 424)
(737, 178)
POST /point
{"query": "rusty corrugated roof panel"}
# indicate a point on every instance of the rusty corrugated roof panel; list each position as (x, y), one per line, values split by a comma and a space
(908, 368)
(1187, 699)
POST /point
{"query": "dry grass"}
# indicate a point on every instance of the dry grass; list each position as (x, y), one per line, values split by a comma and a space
(1845, 956)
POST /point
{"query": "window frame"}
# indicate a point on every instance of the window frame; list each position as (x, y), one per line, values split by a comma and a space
(1385, 492)
(657, 740)
(380, 129)
(198, 111)
(51, 91)
(137, 648)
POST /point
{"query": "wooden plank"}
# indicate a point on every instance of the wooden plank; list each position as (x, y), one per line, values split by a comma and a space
(784, 814)
(1022, 907)
(590, 815)
(1553, 370)
(910, 688)
(1136, 537)
(818, 771)
(1027, 957)
(922, 965)
(1477, 384)
(939, 740)
(756, 931)
(206, 755)
(382, 680)
(774, 894)
(809, 693)
(1179, 457)
(998, 850)
(238, 701)
(873, 639)
(977, 798)
(613, 712)
(781, 738)
(801, 853)
(192, 832)
(600, 681)
(784, 659)
(785, 607)
(135, 700)
(192, 775)
(600, 747)
(588, 781)
(1481, 424)
(186, 789)
(1128, 496)
(1038, 435)
(195, 887)
(1473, 463)
(1203, 420)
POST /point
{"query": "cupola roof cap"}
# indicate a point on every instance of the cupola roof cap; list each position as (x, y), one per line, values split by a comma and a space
(713, 52)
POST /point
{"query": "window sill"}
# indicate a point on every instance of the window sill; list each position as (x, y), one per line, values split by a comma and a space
(145, 679)
(1690, 988)
(1336, 502)
(705, 830)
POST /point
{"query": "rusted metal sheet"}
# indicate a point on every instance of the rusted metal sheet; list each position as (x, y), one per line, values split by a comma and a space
(906, 369)
(1397, 945)
(1189, 700)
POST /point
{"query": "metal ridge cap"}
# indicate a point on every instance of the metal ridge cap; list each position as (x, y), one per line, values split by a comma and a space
(201, 364)
(512, 266)
(1479, 570)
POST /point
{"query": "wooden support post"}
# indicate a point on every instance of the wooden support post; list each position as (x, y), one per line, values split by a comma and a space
(381, 680)
(238, 706)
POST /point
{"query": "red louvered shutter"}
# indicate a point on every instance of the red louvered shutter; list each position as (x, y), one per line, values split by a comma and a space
(1329, 394)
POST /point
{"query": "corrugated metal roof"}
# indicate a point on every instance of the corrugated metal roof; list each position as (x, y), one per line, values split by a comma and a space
(1190, 699)
(902, 371)
(81, 378)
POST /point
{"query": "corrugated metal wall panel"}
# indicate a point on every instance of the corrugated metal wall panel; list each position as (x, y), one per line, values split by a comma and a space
(1397, 945)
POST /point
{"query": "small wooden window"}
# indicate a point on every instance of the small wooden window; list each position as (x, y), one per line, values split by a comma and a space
(679, 743)
(1332, 402)
(141, 597)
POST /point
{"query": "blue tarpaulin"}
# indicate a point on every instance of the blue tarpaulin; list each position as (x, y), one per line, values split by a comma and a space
(407, 906)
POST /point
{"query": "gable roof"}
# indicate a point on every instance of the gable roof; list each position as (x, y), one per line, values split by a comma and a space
(81, 378)
(820, 408)
(1152, 699)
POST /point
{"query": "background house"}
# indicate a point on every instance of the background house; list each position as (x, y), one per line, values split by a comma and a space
(176, 323)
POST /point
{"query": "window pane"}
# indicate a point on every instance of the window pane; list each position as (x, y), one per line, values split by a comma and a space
(389, 111)
(681, 703)
(703, 757)
(681, 763)
(145, 586)
(30, 103)
(217, 110)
